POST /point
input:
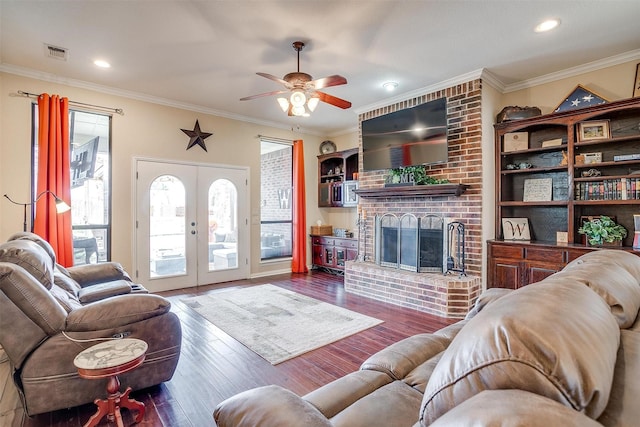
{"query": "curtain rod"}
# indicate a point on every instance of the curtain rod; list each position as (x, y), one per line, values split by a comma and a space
(75, 103)
(273, 138)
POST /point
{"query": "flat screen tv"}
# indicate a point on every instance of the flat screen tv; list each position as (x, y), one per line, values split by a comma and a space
(410, 137)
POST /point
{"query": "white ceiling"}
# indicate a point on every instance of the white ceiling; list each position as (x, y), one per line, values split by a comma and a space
(203, 55)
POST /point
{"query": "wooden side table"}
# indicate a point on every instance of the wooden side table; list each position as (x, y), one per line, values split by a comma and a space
(108, 360)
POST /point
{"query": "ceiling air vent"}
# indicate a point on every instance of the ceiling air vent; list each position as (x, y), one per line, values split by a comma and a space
(56, 52)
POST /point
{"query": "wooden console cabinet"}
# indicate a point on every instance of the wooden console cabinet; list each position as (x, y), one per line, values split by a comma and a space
(513, 265)
(331, 252)
(588, 174)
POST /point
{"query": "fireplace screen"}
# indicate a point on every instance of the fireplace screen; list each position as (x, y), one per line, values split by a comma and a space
(411, 243)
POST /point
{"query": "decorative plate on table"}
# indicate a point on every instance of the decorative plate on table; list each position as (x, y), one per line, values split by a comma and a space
(327, 147)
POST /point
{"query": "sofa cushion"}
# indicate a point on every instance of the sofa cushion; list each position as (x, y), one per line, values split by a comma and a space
(269, 406)
(31, 257)
(66, 299)
(25, 235)
(624, 259)
(557, 340)
(623, 409)
(616, 286)
(512, 408)
(485, 299)
(400, 358)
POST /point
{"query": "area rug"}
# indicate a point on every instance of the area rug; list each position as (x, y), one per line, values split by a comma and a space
(276, 323)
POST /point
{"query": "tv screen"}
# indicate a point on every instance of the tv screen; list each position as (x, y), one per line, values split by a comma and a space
(410, 137)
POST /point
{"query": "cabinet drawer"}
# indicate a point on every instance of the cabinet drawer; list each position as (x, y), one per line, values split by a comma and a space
(504, 251)
(322, 240)
(543, 254)
(347, 243)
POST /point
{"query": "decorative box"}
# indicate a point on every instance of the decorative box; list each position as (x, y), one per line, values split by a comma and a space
(321, 230)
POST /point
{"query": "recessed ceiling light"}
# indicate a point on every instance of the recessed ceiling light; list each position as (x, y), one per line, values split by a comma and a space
(102, 64)
(390, 86)
(547, 25)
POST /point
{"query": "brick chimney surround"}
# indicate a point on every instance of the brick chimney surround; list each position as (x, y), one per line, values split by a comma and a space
(451, 295)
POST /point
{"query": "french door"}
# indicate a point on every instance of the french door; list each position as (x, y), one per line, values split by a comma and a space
(191, 224)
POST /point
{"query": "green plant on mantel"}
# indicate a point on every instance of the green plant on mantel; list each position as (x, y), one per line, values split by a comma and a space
(603, 230)
(419, 173)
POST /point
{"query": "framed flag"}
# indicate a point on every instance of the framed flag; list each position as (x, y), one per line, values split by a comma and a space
(580, 97)
(636, 85)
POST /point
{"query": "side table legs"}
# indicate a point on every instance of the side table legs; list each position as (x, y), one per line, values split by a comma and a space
(111, 406)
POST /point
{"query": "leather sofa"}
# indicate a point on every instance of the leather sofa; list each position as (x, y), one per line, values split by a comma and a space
(49, 314)
(561, 352)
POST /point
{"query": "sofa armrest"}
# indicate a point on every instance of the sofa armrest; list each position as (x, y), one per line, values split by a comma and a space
(513, 408)
(269, 406)
(90, 274)
(116, 311)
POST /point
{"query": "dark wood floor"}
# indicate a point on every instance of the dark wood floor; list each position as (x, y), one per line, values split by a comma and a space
(213, 366)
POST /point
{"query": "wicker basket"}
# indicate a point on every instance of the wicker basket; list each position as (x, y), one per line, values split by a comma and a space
(321, 230)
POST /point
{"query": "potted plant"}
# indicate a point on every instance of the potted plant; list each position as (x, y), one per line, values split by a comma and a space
(603, 231)
(412, 175)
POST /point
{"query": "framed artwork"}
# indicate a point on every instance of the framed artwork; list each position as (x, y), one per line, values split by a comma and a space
(593, 130)
(636, 84)
(538, 190)
(580, 97)
(515, 229)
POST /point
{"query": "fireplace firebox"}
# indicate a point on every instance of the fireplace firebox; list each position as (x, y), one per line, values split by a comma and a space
(411, 243)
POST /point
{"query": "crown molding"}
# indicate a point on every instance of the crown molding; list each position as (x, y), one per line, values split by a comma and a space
(574, 71)
(53, 78)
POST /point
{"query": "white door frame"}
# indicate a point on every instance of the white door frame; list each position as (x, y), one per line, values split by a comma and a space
(243, 240)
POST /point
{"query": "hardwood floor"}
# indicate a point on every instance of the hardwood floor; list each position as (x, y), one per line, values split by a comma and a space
(213, 366)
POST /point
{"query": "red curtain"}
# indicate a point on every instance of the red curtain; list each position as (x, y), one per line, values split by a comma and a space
(299, 244)
(53, 175)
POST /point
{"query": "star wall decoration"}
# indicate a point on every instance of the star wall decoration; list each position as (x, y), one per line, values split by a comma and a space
(197, 136)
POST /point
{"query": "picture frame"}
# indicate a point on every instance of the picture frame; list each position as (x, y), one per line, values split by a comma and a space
(593, 130)
(538, 190)
(636, 84)
(579, 97)
(515, 141)
(516, 229)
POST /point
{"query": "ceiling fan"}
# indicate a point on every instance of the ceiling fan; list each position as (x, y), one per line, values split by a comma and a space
(304, 90)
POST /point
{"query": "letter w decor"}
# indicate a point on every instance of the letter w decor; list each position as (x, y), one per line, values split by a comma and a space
(515, 229)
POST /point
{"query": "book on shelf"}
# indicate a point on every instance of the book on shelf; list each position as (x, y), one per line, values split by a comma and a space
(623, 157)
(608, 189)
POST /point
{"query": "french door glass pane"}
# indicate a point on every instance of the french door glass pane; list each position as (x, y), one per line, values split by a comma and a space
(167, 234)
(223, 225)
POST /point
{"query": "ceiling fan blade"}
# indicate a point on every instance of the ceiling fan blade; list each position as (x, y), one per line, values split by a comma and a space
(334, 80)
(275, 92)
(275, 79)
(330, 99)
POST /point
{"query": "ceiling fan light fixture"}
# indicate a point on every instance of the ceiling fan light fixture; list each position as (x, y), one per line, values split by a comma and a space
(298, 110)
(298, 98)
(313, 103)
(284, 104)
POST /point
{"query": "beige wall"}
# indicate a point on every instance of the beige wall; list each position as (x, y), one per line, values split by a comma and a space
(151, 130)
(145, 130)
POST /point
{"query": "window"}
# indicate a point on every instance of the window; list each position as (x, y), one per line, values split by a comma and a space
(90, 159)
(276, 207)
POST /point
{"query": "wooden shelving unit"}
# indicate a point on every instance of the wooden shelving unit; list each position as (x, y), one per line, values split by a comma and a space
(575, 194)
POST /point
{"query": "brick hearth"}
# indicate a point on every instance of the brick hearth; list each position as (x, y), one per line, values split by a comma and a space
(450, 296)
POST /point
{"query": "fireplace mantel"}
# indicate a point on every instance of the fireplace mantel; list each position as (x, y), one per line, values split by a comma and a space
(414, 191)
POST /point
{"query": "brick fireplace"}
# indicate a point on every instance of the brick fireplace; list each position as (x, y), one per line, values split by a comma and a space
(444, 295)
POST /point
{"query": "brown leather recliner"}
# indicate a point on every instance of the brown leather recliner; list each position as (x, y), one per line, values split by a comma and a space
(49, 314)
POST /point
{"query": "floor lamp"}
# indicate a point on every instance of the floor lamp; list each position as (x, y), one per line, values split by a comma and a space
(61, 206)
